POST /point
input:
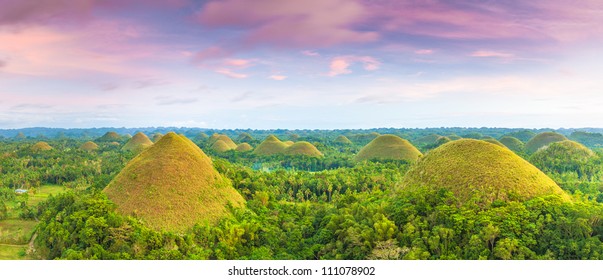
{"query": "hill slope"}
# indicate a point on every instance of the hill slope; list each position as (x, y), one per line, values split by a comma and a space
(137, 143)
(388, 147)
(543, 139)
(270, 146)
(171, 186)
(303, 148)
(466, 166)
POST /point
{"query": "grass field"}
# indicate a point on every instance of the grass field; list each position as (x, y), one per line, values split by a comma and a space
(16, 233)
(13, 252)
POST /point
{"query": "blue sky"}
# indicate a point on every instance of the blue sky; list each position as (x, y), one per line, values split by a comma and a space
(300, 64)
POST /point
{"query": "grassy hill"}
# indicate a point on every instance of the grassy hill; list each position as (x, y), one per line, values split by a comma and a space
(270, 146)
(303, 148)
(244, 147)
(89, 146)
(137, 143)
(215, 137)
(543, 139)
(109, 137)
(466, 166)
(220, 146)
(388, 147)
(562, 156)
(171, 186)
(512, 143)
(245, 137)
(341, 139)
(40, 147)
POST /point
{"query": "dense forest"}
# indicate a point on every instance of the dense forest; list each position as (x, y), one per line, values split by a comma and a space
(301, 205)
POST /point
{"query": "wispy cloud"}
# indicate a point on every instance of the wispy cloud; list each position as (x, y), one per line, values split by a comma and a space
(231, 74)
(341, 65)
(277, 77)
(310, 53)
(173, 100)
(495, 54)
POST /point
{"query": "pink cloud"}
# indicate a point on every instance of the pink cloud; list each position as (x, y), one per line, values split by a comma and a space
(340, 65)
(238, 63)
(311, 23)
(231, 74)
(42, 11)
(492, 54)
(424, 52)
(310, 53)
(277, 77)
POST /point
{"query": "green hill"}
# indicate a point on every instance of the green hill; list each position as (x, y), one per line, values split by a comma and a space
(562, 157)
(523, 135)
(270, 146)
(341, 139)
(427, 140)
(244, 147)
(215, 137)
(156, 137)
(137, 143)
(288, 143)
(388, 147)
(40, 147)
(512, 143)
(543, 139)
(171, 186)
(466, 166)
(303, 148)
(220, 146)
(245, 137)
(109, 137)
(493, 141)
(89, 146)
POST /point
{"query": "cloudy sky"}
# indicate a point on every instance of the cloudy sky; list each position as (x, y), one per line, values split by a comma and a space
(301, 64)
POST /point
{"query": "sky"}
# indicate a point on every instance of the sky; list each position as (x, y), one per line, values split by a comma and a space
(316, 64)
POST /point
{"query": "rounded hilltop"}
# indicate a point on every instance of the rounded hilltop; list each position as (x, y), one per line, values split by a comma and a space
(172, 185)
(244, 147)
(89, 146)
(561, 156)
(343, 140)
(468, 166)
(512, 143)
(41, 147)
(220, 146)
(110, 136)
(543, 139)
(215, 137)
(137, 143)
(388, 147)
(156, 137)
(493, 141)
(270, 146)
(302, 148)
(245, 137)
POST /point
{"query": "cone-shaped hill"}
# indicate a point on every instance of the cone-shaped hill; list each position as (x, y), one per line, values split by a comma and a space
(40, 147)
(543, 139)
(270, 146)
(427, 140)
(512, 143)
(171, 186)
(220, 146)
(341, 139)
(245, 137)
(109, 137)
(562, 155)
(288, 143)
(303, 148)
(231, 144)
(89, 146)
(466, 166)
(156, 137)
(388, 147)
(244, 147)
(137, 143)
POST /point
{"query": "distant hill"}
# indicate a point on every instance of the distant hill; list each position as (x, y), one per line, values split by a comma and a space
(543, 139)
(388, 147)
(137, 143)
(89, 146)
(303, 148)
(171, 186)
(270, 146)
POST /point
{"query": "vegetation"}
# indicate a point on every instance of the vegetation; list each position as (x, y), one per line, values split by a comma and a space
(137, 143)
(462, 200)
(467, 166)
(388, 147)
(172, 185)
(302, 148)
(542, 140)
(512, 143)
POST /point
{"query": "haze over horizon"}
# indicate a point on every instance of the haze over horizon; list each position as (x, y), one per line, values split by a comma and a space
(267, 64)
